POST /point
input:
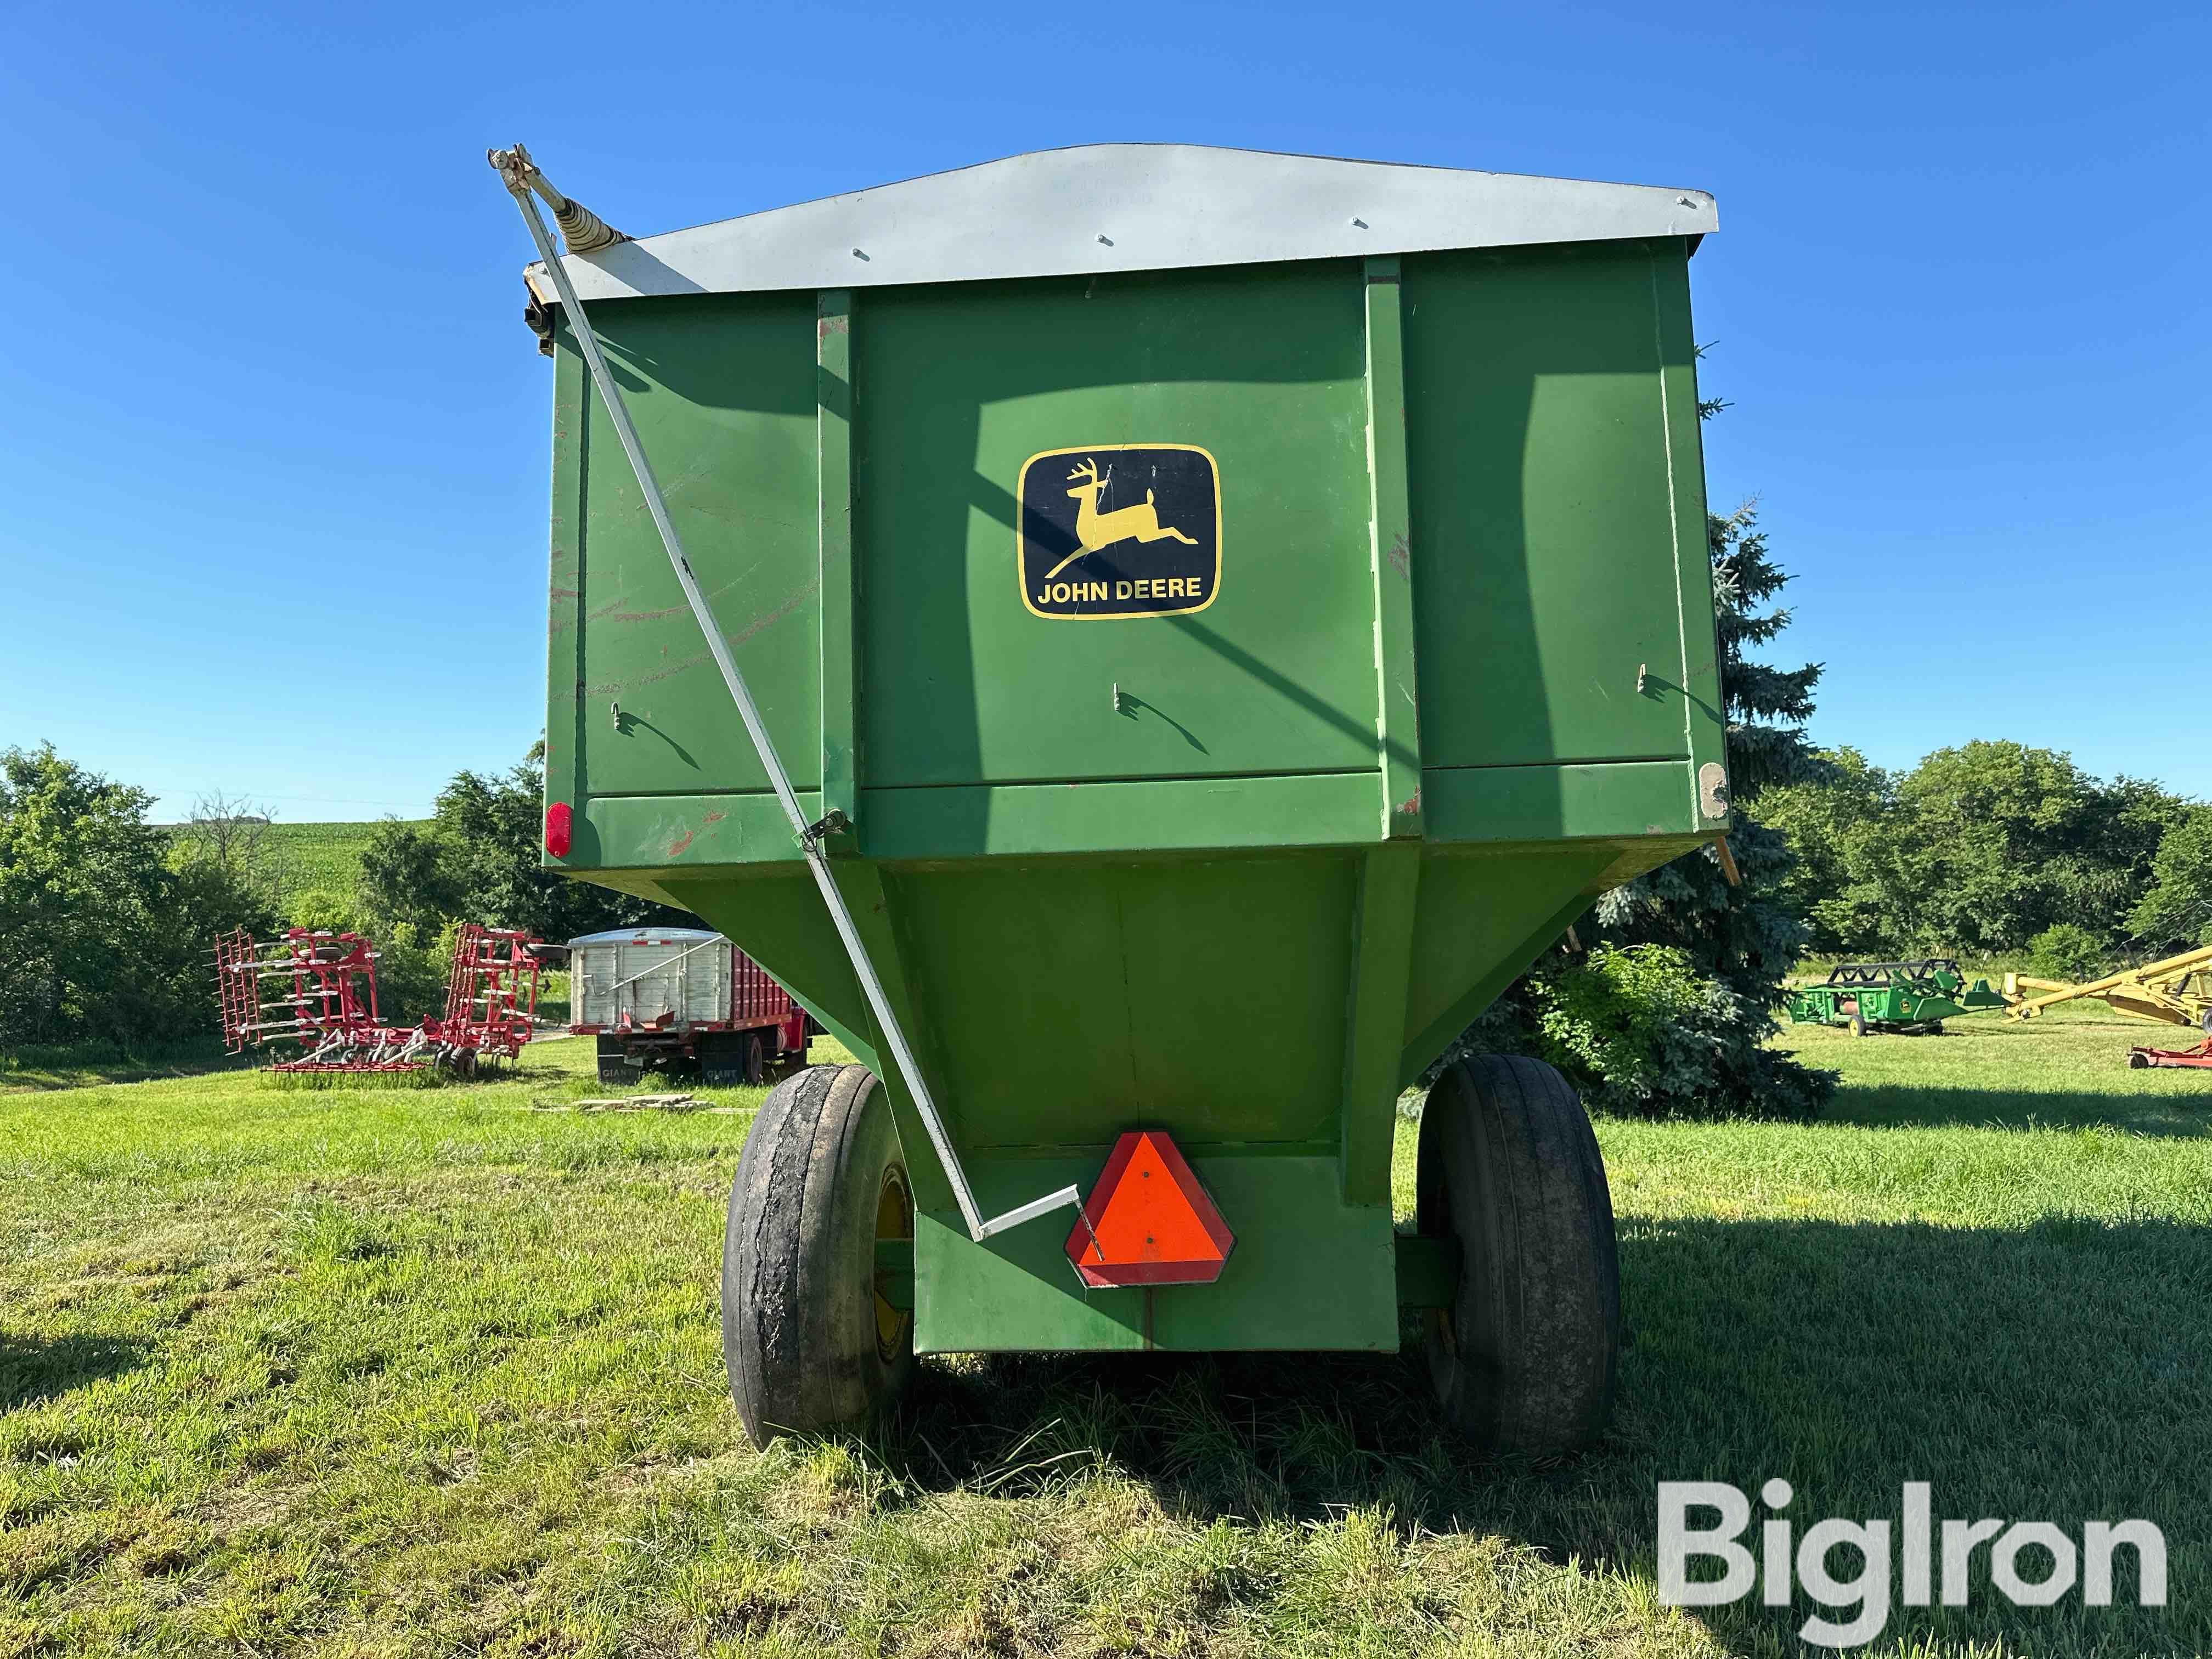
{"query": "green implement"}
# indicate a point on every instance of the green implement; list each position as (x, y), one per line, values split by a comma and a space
(1204, 622)
(1892, 996)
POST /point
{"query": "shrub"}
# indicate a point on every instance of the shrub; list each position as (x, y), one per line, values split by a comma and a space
(320, 908)
(1640, 1031)
(1610, 1018)
(477, 859)
(102, 940)
(2067, 950)
(412, 962)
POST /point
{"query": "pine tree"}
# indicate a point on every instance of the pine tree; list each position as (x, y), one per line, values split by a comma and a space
(1766, 707)
(1740, 942)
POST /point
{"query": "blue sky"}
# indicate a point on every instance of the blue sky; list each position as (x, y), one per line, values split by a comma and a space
(273, 440)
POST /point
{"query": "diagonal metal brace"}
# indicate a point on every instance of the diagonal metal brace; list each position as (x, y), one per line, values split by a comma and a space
(521, 177)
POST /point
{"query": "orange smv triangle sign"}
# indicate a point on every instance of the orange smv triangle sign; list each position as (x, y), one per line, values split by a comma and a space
(1148, 1221)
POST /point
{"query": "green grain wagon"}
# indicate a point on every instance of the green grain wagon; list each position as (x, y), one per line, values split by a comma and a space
(1220, 615)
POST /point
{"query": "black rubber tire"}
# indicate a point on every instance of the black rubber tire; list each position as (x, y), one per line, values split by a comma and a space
(756, 1061)
(1525, 1358)
(613, 1068)
(810, 1344)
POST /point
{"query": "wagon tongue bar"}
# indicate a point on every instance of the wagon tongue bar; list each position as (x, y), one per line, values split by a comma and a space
(521, 177)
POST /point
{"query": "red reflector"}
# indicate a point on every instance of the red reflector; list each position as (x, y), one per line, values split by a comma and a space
(556, 828)
(1148, 1221)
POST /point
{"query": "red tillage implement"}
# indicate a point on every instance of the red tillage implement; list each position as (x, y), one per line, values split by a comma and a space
(491, 996)
(318, 988)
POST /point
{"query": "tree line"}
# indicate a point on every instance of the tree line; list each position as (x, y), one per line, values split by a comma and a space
(1993, 849)
(107, 921)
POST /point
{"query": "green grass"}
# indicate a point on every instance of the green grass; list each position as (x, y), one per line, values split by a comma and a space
(322, 856)
(369, 1372)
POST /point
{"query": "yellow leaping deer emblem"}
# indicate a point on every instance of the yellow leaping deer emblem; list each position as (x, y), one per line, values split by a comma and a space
(1096, 529)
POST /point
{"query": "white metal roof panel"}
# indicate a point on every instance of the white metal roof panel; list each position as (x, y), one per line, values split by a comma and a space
(1102, 208)
(640, 935)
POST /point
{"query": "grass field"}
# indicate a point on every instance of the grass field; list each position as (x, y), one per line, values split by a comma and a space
(320, 856)
(324, 856)
(356, 1371)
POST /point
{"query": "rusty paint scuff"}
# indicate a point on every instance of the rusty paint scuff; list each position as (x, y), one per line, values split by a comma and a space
(790, 604)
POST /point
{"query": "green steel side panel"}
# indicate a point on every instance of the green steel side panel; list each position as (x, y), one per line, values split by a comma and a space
(1015, 1291)
(722, 388)
(1544, 503)
(1424, 1046)
(1430, 1043)
(1074, 999)
(1264, 368)
(1553, 803)
(1308, 1271)
(1375, 1017)
(1479, 909)
(1320, 809)
(1238, 999)
(640, 831)
(886, 936)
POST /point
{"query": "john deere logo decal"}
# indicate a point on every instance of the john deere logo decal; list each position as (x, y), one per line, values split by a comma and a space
(1118, 530)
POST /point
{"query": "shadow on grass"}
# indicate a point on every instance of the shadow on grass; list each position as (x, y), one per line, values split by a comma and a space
(31, 1370)
(40, 1070)
(2061, 1373)
(2181, 1112)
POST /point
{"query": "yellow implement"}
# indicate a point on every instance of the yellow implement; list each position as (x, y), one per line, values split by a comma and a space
(2175, 992)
